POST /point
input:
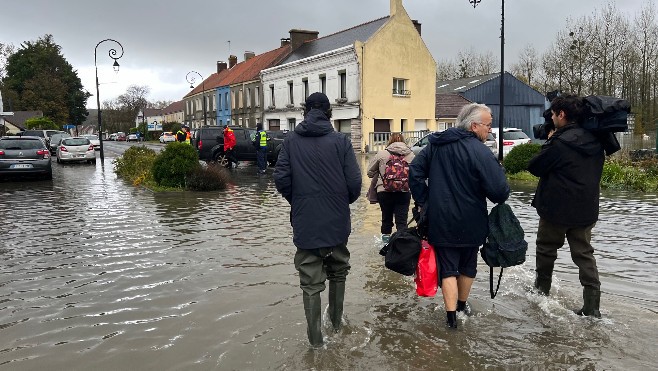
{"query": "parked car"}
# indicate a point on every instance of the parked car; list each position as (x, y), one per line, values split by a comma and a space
(121, 136)
(76, 149)
(132, 138)
(25, 155)
(55, 139)
(112, 136)
(93, 139)
(209, 142)
(41, 133)
(167, 137)
(512, 137)
(490, 142)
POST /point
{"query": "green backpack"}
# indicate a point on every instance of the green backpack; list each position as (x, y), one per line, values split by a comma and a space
(505, 246)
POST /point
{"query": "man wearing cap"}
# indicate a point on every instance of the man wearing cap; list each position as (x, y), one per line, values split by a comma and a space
(317, 173)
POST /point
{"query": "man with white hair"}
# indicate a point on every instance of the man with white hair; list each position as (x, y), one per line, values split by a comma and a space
(461, 173)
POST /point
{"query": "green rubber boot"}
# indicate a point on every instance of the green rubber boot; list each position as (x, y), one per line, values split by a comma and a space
(592, 300)
(336, 298)
(313, 312)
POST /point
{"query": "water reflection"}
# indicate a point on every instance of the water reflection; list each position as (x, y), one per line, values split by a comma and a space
(98, 274)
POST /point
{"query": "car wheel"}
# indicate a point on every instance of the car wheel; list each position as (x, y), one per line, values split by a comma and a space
(221, 159)
(59, 161)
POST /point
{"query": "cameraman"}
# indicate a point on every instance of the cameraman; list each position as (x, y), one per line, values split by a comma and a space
(569, 168)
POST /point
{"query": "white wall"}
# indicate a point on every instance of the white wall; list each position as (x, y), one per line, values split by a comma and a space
(328, 64)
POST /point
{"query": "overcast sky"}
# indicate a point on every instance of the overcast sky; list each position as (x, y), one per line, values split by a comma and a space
(163, 39)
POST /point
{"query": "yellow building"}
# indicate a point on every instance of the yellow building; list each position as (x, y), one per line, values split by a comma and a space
(398, 80)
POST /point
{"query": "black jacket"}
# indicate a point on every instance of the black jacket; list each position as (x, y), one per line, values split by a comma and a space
(569, 168)
(462, 173)
(318, 174)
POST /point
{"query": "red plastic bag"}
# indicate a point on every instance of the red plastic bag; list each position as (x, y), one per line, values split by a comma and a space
(427, 274)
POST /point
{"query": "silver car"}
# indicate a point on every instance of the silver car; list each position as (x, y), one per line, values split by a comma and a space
(93, 138)
(25, 156)
(76, 149)
(54, 141)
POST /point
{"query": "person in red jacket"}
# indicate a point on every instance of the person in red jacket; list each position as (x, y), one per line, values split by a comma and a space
(229, 145)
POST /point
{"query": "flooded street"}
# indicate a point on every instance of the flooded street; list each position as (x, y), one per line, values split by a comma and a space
(97, 274)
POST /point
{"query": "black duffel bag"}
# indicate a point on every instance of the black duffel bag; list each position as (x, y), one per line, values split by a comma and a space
(402, 250)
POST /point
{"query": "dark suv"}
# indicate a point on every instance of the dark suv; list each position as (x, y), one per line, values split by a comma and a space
(209, 142)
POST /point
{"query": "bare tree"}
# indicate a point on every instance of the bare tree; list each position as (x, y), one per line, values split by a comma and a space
(528, 64)
(5, 51)
(646, 39)
(446, 70)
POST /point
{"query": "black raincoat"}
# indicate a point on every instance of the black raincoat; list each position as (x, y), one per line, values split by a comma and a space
(318, 174)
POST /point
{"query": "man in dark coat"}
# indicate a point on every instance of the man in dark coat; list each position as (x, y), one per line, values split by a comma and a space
(569, 168)
(318, 174)
(462, 173)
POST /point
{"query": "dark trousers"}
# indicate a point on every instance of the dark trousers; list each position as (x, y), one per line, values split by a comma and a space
(550, 237)
(261, 152)
(394, 204)
(230, 156)
(315, 266)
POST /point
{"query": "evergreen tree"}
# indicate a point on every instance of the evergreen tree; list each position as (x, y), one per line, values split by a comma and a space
(38, 78)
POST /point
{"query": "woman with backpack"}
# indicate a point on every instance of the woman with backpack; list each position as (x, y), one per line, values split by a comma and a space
(391, 167)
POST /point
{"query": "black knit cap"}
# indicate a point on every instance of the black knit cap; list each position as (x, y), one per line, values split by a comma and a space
(319, 101)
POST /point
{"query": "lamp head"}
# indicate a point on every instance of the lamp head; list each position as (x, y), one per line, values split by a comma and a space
(115, 66)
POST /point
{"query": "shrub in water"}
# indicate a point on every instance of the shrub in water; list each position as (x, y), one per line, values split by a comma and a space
(518, 158)
(174, 163)
(210, 178)
(135, 165)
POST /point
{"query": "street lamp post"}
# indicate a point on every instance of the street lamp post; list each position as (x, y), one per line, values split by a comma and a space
(501, 113)
(190, 80)
(113, 54)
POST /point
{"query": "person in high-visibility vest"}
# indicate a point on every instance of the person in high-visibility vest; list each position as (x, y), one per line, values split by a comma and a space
(180, 135)
(260, 142)
(188, 135)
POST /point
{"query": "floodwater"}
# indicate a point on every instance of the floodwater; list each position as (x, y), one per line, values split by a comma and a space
(97, 274)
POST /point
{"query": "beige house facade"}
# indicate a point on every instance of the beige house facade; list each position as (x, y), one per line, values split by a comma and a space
(379, 76)
(398, 79)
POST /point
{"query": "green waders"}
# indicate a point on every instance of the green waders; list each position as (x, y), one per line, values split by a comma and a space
(315, 266)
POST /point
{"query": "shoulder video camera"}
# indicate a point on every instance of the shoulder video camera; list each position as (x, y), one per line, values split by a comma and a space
(541, 130)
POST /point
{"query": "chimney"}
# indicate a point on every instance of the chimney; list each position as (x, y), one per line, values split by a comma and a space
(285, 41)
(248, 55)
(221, 66)
(232, 61)
(298, 37)
(396, 6)
(417, 25)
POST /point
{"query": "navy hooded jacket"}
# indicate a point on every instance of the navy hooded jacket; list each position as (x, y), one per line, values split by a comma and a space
(461, 174)
(318, 174)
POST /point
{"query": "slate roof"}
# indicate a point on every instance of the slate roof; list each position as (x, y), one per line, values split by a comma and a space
(244, 71)
(449, 105)
(150, 112)
(337, 40)
(462, 85)
(173, 108)
(19, 117)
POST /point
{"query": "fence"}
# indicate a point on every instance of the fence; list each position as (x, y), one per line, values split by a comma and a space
(377, 141)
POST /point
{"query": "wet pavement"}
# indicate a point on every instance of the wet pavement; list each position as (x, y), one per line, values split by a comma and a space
(97, 274)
